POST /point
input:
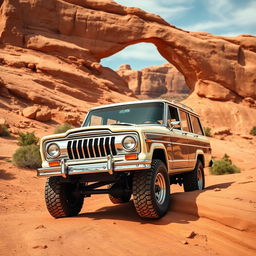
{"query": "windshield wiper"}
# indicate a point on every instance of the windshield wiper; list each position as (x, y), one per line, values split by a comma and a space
(129, 124)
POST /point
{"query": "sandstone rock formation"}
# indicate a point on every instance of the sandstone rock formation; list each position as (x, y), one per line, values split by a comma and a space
(154, 81)
(30, 112)
(51, 52)
(43, 115)
(92, 30)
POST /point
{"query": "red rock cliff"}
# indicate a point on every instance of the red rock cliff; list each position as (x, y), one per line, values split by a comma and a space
(61, 42)
(154, 81)
(96, 29)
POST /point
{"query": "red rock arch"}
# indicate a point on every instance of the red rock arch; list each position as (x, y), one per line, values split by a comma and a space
(216, 67)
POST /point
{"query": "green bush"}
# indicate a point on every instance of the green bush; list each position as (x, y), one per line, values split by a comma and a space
(207, 131)
(27, 157)
(224, 166)
(253, 131)
(4, 132)
(26, 139)
(62, 128)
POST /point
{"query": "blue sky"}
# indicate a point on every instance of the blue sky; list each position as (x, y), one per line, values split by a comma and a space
(219, 17)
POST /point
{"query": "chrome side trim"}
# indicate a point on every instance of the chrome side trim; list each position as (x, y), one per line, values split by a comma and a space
(177, 143)
(183, 160)
(189, 145)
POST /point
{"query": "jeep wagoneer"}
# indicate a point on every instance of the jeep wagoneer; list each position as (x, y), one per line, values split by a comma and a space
(133, 149)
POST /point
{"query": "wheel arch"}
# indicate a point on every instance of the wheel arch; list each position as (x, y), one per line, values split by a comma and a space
(159, 152)
(200, 156)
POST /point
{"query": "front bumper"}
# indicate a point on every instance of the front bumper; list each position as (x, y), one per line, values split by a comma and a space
(103, 165)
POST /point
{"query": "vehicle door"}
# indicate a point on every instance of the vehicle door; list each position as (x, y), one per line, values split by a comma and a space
(177, 153)
(199, 141)
(189, 138)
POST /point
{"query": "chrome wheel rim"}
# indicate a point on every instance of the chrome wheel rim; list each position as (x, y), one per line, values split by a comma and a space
(160, 188)
(200, 181)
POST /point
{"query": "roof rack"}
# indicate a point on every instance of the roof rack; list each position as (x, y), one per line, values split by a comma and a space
(183, 105)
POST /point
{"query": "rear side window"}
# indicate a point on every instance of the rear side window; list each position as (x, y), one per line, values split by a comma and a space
(173, 115)
(196, 125)
(184, 121)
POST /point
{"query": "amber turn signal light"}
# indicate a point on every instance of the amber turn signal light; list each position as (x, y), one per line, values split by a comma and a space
(131, 157)
(54, 163)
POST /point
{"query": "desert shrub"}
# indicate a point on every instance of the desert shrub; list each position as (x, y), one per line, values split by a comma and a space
(4, 132)
(26, 139)
(62, 128)
(207, 131)
(27, 157)
(253, 131)
(224, 166)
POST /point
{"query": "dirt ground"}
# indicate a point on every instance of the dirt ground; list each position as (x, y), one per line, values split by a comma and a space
(221, 220)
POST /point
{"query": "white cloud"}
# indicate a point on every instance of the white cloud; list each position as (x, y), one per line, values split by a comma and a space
(227, 17)
(142, 51)
(246, 16)
(219, 7)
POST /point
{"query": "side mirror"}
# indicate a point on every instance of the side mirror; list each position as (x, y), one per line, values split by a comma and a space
(174, 125)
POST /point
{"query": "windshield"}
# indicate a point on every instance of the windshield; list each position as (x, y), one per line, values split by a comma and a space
(129, 114)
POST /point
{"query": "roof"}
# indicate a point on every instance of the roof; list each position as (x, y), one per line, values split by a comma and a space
(173, 103)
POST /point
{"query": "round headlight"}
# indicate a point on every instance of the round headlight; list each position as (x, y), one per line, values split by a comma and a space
(53, 150)
(129, 143)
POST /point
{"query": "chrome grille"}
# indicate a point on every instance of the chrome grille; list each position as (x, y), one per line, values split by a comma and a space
(91, 147)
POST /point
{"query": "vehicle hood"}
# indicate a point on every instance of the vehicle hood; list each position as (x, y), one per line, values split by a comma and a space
(109, 128)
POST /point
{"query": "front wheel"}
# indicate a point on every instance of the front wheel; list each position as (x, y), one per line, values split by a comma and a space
(194, 180)
(151, 191)
(62, 199)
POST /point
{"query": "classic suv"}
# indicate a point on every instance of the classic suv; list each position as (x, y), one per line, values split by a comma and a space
(134, 148)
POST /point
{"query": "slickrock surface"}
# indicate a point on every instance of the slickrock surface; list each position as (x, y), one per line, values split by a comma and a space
(221, 220)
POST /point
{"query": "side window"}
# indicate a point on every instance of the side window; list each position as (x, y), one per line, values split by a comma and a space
(196, 125)
(185, 121)
(173, 115)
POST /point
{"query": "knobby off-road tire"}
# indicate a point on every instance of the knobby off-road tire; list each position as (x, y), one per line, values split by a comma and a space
(121, 198)
(194, 180)
(151, 191)
(61, 201)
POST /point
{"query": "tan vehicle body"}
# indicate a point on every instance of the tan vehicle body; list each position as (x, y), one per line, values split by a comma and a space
(181, 150)
(180, 153)
(148, 146)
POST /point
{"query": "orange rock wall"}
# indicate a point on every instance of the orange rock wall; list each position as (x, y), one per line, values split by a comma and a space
(50, 54)
(154, 81)
(92, 30)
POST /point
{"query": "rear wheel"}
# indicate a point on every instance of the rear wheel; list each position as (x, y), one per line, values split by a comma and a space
(151, 191)
(62, 199)
(119, 198)
(194, 180)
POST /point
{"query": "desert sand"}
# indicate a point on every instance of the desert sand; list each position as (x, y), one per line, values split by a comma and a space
(221, 220)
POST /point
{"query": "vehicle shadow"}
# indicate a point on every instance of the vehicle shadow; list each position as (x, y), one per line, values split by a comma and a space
(183, 209)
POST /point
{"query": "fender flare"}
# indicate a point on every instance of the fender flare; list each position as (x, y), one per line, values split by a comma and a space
(155, 146)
